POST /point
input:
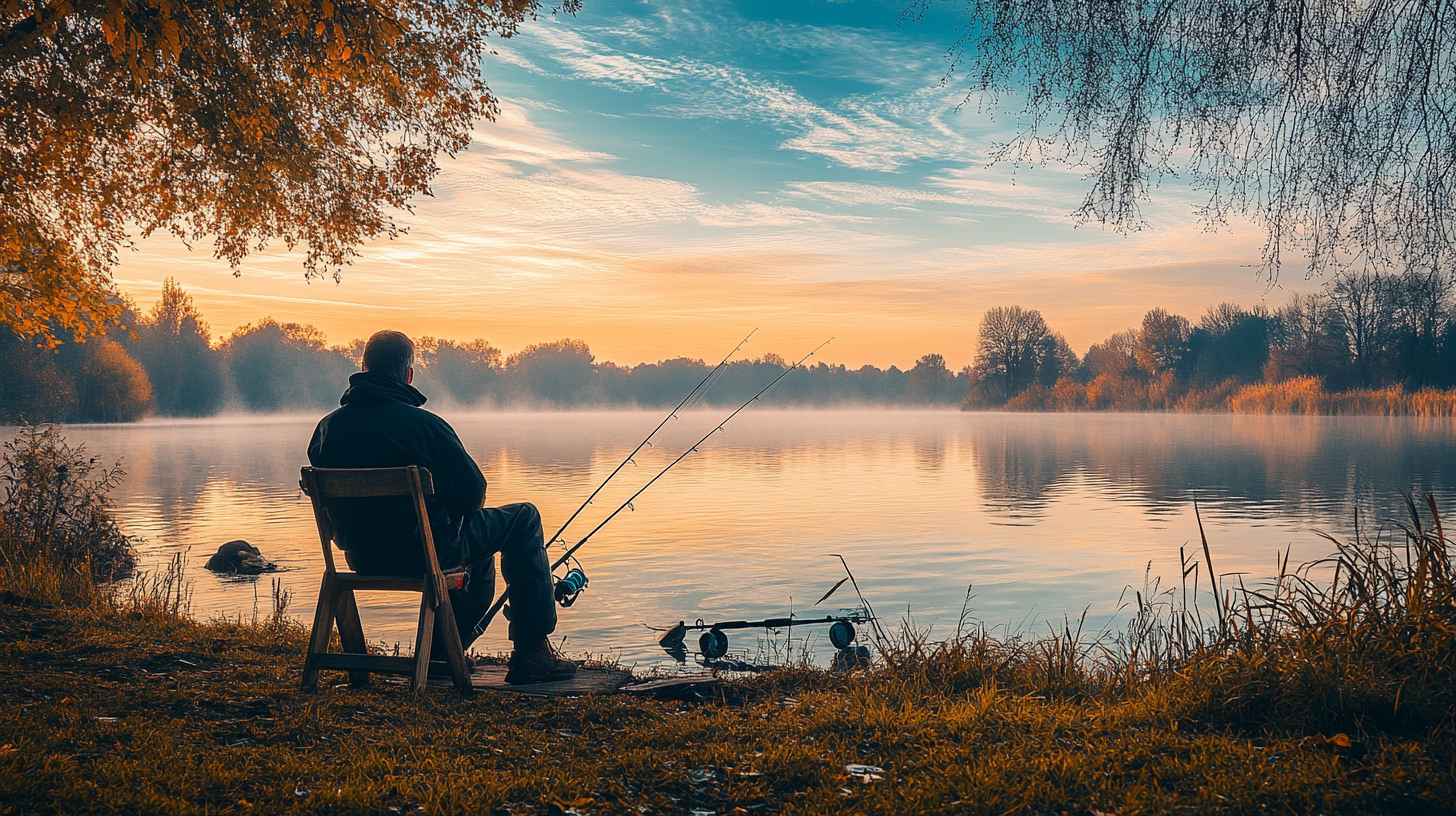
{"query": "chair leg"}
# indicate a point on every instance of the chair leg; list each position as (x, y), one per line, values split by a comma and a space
(454, 653)
(323, 623)
(351, 633)
(423, 634)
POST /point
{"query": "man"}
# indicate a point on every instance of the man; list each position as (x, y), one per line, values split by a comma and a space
(381, 424)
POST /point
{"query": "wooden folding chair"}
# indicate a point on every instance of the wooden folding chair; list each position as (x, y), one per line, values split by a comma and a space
(336, 595)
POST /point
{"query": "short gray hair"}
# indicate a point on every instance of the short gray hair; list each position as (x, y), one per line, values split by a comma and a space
(389, 353)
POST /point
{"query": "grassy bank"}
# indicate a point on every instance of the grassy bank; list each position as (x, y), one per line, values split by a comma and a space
(1325, 691)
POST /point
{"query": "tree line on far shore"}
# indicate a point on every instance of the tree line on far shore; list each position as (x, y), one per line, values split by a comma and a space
(1367, 343)
(163, 361)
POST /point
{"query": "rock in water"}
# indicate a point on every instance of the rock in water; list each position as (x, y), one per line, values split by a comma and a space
(253, 563)
(241, 557)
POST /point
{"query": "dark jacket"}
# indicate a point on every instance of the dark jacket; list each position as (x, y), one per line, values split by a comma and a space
(380, 425)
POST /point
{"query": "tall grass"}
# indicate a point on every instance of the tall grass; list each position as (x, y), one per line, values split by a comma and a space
(1362, 640)
(1299, 395)
(1306, 395)
(163, 593)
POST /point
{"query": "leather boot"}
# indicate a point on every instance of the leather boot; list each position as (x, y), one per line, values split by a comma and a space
(539, 663)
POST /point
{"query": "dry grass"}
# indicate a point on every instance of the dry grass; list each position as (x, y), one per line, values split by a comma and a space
(1307, 395)
(1328, 689)
(1300, 395)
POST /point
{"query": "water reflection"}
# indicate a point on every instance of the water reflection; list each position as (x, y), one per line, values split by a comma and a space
(1312, 467)
(1045, 514)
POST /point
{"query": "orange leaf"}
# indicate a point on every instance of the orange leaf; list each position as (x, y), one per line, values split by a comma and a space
(172, 39)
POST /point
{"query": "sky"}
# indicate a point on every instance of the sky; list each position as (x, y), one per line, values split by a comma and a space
(665, 177)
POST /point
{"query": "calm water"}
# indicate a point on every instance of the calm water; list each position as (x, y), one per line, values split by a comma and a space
(1045, 514)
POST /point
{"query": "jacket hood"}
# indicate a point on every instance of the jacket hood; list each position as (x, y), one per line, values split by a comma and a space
(366, 388)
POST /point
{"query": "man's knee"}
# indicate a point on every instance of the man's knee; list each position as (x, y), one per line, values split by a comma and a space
(522, 527)
(527, 516)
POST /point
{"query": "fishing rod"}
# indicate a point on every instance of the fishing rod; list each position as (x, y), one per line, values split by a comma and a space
(714, 644)
(577, 578)
(671, 415)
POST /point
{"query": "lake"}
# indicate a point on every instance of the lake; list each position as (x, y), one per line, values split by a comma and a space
(1044, 515)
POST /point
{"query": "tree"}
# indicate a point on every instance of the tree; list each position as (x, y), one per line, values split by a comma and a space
(1010, 347)
(931, 383)
(33, 385)
(468, 371)
(278, 366)
(1308, 340)
(1058, 360)
(1162, 342)
(559, 372)
(1364, 301)
(1422, 308)
(299, 121)
(1230, 342)
(110, 385)
(175, 347)
(1329, 122)
(96, 381)
(1114, 357)
(663, 383)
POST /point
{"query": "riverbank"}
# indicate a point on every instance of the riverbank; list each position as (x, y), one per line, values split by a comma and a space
(125, 704)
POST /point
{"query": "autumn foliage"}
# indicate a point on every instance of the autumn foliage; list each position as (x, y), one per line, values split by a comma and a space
(301, 122)
(1369, 343)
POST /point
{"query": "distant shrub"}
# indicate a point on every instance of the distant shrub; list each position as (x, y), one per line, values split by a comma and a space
(111, 386)
(55, 509)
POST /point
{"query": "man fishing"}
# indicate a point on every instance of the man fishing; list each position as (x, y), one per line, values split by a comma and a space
(380, 424)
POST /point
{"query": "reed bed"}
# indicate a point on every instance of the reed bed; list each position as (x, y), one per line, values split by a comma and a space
(1306, 395)
(1299, 395)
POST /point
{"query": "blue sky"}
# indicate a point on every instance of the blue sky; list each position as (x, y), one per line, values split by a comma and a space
(665, 176)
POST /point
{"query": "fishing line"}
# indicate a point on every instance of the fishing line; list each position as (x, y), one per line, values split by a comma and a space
(692, 399)
(505, 594)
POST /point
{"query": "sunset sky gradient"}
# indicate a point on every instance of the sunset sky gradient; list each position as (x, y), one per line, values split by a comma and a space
(664, 177)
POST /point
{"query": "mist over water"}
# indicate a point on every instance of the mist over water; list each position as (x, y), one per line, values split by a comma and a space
(1046, 514)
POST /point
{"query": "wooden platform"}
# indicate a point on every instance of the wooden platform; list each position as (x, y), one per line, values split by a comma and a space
(586, 681)
(492, 677)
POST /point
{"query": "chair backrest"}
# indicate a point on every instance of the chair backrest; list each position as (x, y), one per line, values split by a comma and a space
(323, 485)
(364, 483)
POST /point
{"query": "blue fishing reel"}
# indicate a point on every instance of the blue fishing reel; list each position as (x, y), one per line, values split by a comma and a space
(571, 585)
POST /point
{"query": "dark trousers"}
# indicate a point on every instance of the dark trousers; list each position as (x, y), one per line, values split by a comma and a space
(514, 531)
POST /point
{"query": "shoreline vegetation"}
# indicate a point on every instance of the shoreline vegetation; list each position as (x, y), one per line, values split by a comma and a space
(1327, 688)
(1369, 344)
(1299, 396)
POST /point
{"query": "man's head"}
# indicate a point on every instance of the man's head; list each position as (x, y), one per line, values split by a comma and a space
(391, 354)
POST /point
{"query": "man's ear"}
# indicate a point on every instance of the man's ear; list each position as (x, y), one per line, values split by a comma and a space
(409, 375)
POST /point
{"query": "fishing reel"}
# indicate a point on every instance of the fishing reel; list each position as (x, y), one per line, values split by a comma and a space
(712, 644)
(570, 586)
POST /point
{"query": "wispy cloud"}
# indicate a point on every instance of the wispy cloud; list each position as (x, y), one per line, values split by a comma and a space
(882, 131)
(857, 194)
